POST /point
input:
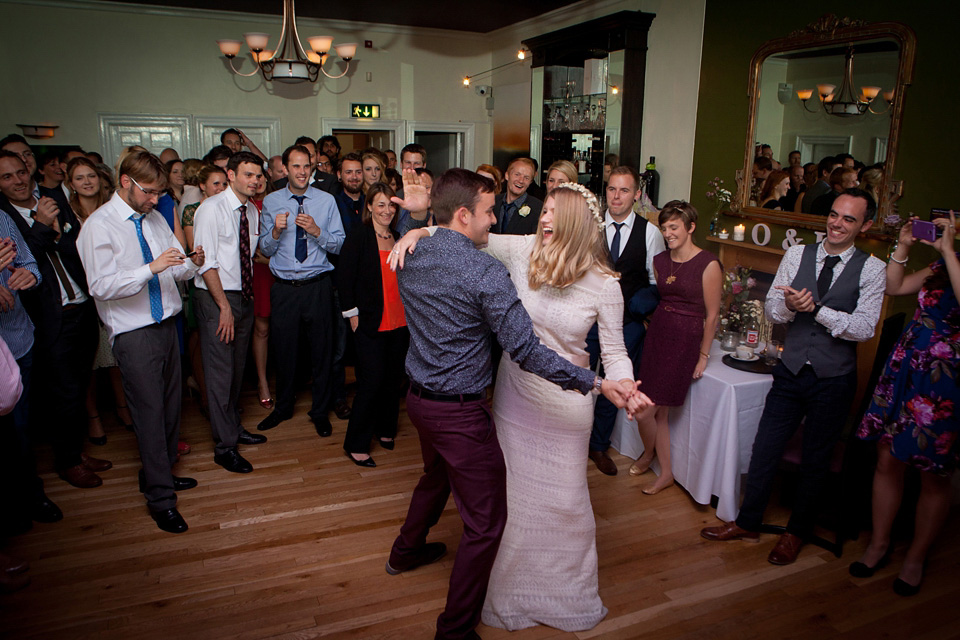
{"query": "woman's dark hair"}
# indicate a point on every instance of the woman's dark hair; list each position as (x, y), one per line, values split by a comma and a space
(376, 189)
(678, 209)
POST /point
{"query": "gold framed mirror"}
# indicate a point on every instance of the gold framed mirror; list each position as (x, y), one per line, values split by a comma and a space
(837, 85)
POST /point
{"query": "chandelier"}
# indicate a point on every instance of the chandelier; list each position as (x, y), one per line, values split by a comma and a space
(845, 103)
(288, 62)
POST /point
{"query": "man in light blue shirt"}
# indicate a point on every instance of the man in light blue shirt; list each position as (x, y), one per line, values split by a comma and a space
(300, 226)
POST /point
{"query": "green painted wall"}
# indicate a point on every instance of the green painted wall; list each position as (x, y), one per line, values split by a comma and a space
(929, 137)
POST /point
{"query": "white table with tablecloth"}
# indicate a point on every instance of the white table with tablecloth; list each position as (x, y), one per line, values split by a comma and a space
(711, 435)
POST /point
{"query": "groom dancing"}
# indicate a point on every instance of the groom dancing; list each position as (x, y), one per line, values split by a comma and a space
(454, 297)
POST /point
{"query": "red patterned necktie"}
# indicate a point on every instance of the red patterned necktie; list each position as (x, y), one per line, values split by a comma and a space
(246, 265)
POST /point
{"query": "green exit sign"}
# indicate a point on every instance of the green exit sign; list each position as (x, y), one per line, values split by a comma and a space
(364, 110)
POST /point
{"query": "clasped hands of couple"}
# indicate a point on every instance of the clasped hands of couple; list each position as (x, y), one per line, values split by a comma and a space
(623, 394)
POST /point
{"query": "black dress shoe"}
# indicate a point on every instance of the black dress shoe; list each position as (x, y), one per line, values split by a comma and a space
(271, 421)
(170, 520)
(428, 554)
(233, 461)
(179, 484)
(324, 428)
(342, 409)
(860, 570)
(361, 463)
(246, 437)
(905, 589)
(388, 444)
(44, 510)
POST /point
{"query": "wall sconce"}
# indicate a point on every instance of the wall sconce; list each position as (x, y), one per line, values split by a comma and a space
(38, 131)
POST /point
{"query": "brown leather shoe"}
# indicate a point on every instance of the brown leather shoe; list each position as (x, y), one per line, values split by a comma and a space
(95, 464)
(729, 531)
(604, 463)
(786, 550)
(81, 477)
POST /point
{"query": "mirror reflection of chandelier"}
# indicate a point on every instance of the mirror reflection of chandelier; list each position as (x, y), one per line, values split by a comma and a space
(844, 103)
(288, 62)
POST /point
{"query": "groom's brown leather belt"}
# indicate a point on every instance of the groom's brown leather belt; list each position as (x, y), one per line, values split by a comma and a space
(426, 394)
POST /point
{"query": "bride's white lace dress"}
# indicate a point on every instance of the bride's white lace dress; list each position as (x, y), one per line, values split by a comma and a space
(546, 569)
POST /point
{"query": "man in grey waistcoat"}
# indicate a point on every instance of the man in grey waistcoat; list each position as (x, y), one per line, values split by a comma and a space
(829, 294)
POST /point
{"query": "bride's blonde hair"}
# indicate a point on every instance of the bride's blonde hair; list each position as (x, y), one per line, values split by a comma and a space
(577, 244)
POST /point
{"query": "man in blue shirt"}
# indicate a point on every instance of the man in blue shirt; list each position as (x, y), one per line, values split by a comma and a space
(300, 228)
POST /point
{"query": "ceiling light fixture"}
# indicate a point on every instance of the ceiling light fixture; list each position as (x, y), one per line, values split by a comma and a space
(844, 103)
(288, 62)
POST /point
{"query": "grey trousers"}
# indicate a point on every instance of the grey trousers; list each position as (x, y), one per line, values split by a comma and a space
(149, 360)
(223, 364)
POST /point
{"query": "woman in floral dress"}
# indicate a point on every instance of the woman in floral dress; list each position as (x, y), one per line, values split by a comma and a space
(913, 410)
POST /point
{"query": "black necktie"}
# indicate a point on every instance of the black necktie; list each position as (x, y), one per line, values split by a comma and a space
(246, 265)
(826, 275)
(300, 248)
(615, 245)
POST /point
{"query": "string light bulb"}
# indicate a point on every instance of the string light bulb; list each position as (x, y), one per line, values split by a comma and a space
(521, 54)
(614, 89)
(466, 81)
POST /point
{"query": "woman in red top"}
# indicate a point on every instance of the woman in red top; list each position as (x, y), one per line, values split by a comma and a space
(371, 302)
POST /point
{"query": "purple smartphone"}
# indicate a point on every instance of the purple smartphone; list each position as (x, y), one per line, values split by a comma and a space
(923, 230)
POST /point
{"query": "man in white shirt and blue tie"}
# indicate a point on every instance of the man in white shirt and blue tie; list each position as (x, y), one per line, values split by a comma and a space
(132, 261)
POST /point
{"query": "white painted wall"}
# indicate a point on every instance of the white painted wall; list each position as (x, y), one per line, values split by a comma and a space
(672, 80)
(69, 61)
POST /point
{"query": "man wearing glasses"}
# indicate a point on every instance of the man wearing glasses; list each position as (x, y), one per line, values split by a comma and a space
(132, 260)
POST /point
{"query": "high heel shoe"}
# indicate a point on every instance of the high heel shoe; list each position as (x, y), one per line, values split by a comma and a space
(905, 589)
(387, 443)
(860, 570)
(266, 403)
(369, 463)
(97, 440)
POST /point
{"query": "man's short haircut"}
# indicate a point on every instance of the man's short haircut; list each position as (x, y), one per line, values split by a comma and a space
(765, 146)
(352, 157)
(219, 152)
(457, 188)
(386, 151)
(413, 147)
(763, 163)
(63, 153)
(97, 158)
(241, 157)
(857, 192)
(10, 154)
(808, 165)
(13, 137)
(304, 140)
(144, 167)
(826, 165)
(795, 151)
(332, 139)
(523, 160)
(421, 171)
(843, 156)
(627, 170)
(836, 177)
(228, 132)
(295, 147)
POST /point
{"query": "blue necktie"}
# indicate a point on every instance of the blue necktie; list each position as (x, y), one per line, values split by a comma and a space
(300, 248)
(153, 287)
(506, 215)
(615, 244)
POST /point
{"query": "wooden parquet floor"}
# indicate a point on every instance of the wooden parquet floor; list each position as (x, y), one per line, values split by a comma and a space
(296, 550)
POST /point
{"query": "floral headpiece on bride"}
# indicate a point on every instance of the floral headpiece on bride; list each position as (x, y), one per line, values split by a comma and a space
(592, 203)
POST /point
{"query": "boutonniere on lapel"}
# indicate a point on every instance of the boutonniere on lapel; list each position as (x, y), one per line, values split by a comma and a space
(67, 228)
(524, 211)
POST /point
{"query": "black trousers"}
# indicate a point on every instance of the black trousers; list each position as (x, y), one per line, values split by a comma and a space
(376, 407)
(292, 308)
(149, 360)
(63, 364)
(824, 402)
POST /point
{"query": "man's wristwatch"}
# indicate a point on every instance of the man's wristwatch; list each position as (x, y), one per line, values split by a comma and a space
(597, 384)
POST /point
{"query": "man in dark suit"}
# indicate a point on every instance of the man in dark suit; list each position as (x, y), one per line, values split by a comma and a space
(822, 186)
(632, 243)
(517, 211)
(65, 318)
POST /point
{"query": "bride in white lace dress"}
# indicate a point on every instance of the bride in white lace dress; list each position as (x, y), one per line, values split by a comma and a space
(546, 569)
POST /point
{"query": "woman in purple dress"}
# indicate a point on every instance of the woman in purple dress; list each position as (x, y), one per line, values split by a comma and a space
(913, 412)
(677, 346)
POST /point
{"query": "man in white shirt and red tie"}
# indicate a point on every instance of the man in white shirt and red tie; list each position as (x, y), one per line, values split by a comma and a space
(227, 225)
(132, 261)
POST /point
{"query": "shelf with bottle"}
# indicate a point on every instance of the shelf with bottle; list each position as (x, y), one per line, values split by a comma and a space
(577, 113)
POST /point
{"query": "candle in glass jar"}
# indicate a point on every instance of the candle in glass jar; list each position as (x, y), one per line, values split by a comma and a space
(738, 232)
